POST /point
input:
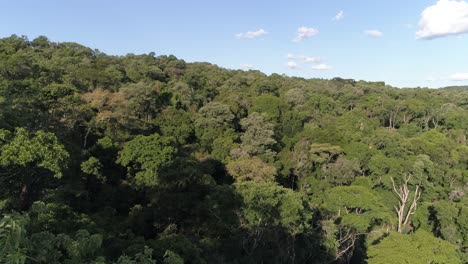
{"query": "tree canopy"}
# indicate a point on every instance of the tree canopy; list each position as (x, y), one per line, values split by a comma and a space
(150, 159)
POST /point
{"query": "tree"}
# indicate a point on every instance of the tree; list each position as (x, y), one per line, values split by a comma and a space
(146, 257)
(258, 136)
(267, 208)
(291, 124)
(449, 221)
(2, 105)
(353, 211)
(30, 159)
(93, 167)
(251, 169)
(213, 120)
(418, 248)
(176, 123)
(145, 157)
(342, 171)
(308, 157)
(269, 105)
(144, 100)
(295, 97)
(407, 203)
(244, 167)
(12, 239)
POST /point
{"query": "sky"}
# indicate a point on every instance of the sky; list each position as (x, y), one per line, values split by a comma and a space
(404, 43)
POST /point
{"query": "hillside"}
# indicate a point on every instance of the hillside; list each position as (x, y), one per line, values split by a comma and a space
(150, 159)
(456, 88)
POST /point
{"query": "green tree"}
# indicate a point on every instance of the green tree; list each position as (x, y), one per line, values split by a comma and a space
(341, 172)
(146, 257)
(420, 247)
(258, 136)
(213, 120)
(176, 123)
(251, 169)
(354, 212)
(12, 239)
(145, 157)
(268, 104)
(28, 160)
(268, 208)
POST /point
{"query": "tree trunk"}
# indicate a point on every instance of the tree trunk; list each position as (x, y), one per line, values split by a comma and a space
(404, 195)
(25, 198)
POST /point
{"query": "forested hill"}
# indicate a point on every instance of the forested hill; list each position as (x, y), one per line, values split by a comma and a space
(459, 88)
(149, 159)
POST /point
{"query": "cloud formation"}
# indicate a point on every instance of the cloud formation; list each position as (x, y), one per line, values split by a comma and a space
(305, 33)
(374, 33)
(252, 34)
(445, 18)
(460, 76)
(321, 67)
(339, 16)
(298, 61)
(303, 58)
(292, 65)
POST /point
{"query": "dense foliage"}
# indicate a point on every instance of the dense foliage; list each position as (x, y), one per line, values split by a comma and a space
(149, 159)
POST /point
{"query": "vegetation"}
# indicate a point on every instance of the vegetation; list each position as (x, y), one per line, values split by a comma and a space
(149, 159)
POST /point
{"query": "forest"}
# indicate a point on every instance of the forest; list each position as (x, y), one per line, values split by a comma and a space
(142, 159)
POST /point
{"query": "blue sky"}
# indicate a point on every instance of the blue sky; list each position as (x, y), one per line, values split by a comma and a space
(372, 40)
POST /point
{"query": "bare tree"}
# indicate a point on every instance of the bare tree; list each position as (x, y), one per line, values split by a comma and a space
(406, 207)
(347, 239)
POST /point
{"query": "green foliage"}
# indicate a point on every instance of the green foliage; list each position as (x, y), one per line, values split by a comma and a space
(144, 100)
(268, 104)
(145, 157)
(93, 167)
(342, 171)
(449, 221)
(150, 159)
(82, 246)
(420, 247)
(37, 150)
(176, 123)
(223, 145)
(357, 207)
(141, 258)
(12, 235)
(251, 169)
(214, 119)
(258, 136)
(172, 258)
(308, 157)
(268, 205)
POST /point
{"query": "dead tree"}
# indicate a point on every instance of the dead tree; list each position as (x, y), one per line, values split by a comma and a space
(406, 207)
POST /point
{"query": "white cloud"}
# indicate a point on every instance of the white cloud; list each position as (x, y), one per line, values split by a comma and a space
(303, 58)
(299, 61)
(460, 76)
(292, 65)
(310, 59)
(304, 33)
(339, 16)
(374, 33)
(247, 66)
(445, 18)
(321, 67)
(252, 34)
